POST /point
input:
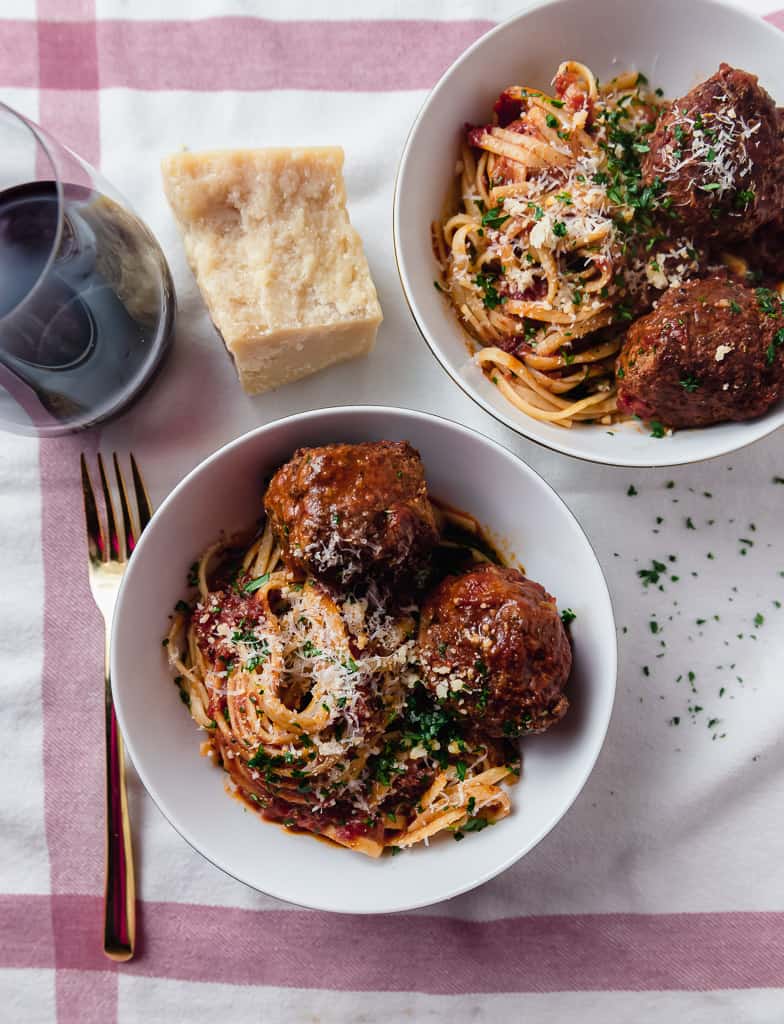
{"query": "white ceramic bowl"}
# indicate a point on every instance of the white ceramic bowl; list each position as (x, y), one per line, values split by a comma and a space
(677, 43)
(468, 471)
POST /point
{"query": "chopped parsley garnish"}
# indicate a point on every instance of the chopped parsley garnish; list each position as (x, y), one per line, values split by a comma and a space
(257, 660)
(183, 607)
(425, 723)
(632, 492)
(568, 616)
(387, 765)
(256, 584)
(657, 429)
(494, 218)
(244, 635)
(689, 383)
(487, 283)
(475, 825)
(559, 229)
(651, 575)
(776, 342)
(768, 301)
(461, 768)
(735, 306)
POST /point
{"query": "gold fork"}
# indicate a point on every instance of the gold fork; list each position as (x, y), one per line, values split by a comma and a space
(109, 555)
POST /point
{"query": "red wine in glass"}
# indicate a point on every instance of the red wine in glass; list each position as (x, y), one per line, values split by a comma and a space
(86, 299)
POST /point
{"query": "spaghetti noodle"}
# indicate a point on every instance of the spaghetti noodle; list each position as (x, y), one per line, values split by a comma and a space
(551, 250)
(312, 704)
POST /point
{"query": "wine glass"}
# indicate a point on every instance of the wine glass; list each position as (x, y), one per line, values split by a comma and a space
(86, 298)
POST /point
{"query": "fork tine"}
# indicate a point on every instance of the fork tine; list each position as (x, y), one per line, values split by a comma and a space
(115, 553)
(142, 497)
(127, 518)
(96, 539)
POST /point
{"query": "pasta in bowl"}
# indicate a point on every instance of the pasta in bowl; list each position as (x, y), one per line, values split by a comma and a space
(549, 250)
(359, 712)
(364, 664)
(587, 207)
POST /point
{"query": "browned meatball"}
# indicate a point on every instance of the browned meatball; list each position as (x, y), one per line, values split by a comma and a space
(493, 649)
(711, 351)
(350, 512)
(719, 153)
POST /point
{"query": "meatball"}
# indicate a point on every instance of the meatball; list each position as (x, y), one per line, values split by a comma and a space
(719, 154)
(350, 512)
(493, 649)
(711, 351)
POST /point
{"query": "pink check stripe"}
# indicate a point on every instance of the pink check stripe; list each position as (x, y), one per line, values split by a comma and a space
(245, 54)
(434, 955)
(250, 53)
(18, 54)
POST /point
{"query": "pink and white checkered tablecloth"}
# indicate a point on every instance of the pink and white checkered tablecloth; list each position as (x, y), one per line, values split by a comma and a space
(660, 897)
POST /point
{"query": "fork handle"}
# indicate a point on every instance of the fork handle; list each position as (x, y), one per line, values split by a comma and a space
(119, 932)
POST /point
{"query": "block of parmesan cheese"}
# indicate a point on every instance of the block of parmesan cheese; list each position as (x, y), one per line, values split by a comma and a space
(280, 267)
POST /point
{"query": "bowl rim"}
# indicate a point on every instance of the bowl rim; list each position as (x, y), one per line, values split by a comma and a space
(397, 247)
(612, 654)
